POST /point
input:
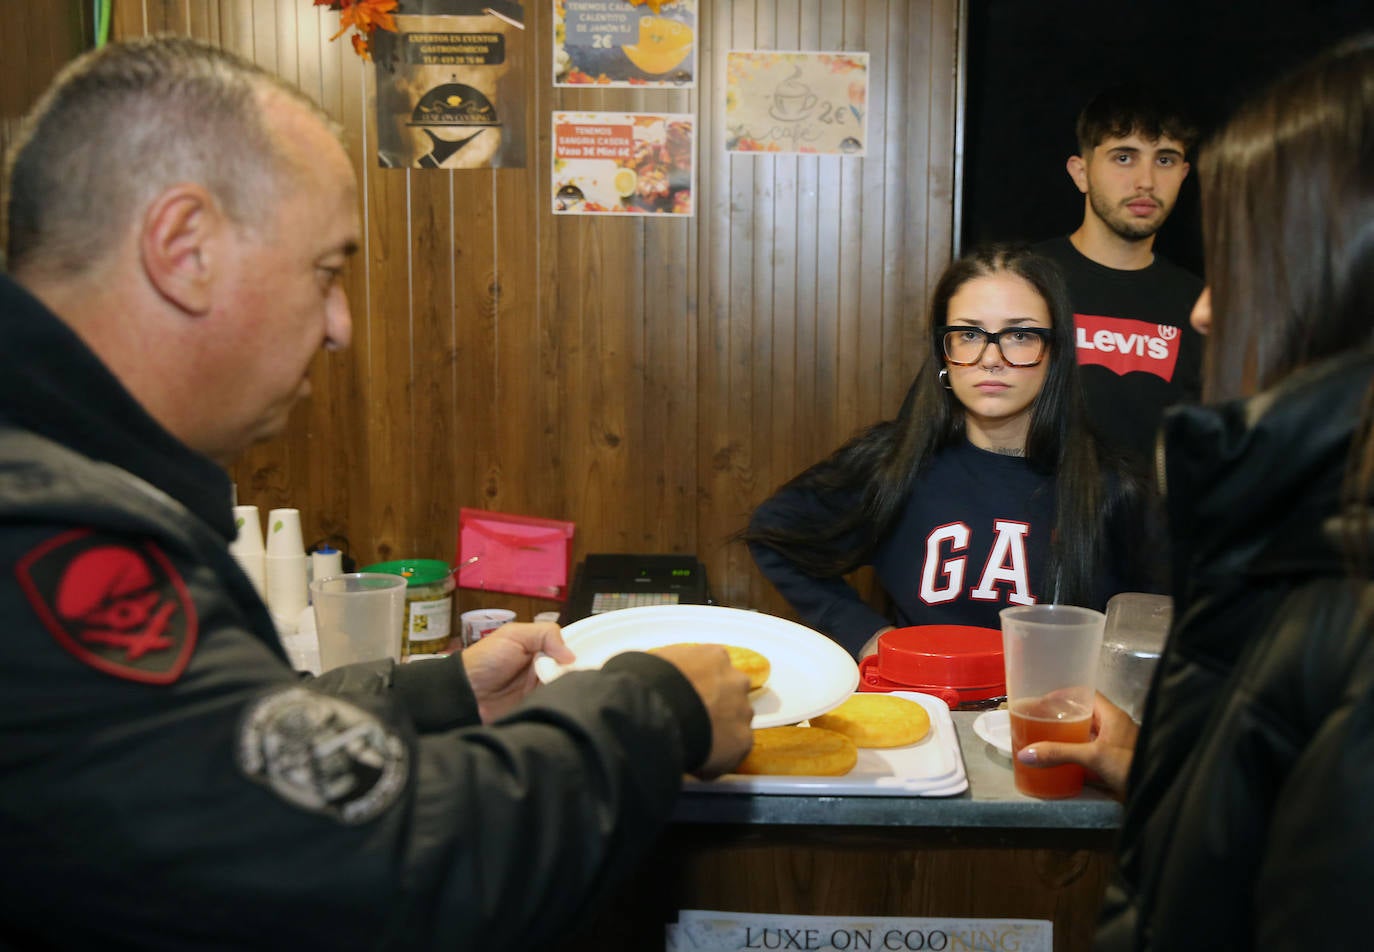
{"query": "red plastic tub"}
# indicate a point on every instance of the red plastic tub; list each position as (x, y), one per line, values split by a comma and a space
(960, 664)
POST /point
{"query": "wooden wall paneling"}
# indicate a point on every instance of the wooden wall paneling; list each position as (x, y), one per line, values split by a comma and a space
(852, 324)
(280, 474)
(650, 379)
(812, 407)
(897, 342)
(728, 398)
(341, 440)
(791, 322)
(613, 386)
(671, 404)
(432, 422)
(265, 40)
(335, 441)
(236, 23)
(474, 267)
(34, 47)
(930, 210)
(515, 283)
(388, 343)
(876, 188)
(203, 20)
(662, 426)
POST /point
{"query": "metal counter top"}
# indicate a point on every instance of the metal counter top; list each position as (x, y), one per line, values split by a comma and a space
(990, 803)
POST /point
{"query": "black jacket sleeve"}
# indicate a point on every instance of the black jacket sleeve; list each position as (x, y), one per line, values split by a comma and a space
(238, 805)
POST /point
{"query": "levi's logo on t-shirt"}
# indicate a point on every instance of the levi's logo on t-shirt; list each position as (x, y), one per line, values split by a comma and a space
(1123, 345)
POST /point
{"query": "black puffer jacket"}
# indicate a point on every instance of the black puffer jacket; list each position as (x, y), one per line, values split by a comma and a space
(1248, 823)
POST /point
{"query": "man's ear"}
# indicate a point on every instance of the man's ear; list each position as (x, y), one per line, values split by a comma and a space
(1078, 171)
(175, 246)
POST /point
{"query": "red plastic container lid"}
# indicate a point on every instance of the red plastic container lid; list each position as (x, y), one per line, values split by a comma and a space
(963, 659)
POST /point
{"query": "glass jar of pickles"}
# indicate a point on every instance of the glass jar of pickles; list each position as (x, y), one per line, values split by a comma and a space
(429, 603)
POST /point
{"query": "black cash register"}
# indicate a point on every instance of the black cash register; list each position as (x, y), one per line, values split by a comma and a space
(603, 583)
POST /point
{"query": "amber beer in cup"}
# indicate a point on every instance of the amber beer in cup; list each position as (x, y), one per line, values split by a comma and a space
(1051, 660)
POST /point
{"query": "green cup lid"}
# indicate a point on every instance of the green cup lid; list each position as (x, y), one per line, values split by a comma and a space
(414, 571)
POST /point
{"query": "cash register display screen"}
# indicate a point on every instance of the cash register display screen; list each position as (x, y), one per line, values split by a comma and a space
(610, 601)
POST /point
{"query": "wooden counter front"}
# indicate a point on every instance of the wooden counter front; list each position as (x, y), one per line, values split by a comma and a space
(987, 853)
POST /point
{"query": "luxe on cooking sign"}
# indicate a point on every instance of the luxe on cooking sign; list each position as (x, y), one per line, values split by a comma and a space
(701, 930)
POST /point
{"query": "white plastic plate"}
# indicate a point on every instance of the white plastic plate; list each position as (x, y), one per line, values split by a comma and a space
(995, 728)
(810, 674)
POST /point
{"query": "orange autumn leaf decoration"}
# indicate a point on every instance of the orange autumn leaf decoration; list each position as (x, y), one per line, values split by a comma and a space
(363, 17)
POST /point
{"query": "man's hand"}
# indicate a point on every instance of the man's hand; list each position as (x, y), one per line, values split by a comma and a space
(725, 692)
(500, 667)
(1107, 753)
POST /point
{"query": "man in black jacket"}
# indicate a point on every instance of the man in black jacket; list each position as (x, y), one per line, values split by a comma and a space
(177, 223)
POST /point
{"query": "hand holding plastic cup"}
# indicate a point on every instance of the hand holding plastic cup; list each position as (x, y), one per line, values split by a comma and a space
(359, 617)
(1051, 656)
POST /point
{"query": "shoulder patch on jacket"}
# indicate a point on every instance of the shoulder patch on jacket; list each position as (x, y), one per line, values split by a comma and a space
(119, 606)
(323, 754)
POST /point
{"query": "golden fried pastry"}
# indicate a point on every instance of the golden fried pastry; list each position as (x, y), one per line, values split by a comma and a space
(742, 659)
(877, 720)
(800, 751)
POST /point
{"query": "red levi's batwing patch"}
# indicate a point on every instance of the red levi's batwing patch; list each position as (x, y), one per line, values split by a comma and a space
(1123, 345)
(118, 606)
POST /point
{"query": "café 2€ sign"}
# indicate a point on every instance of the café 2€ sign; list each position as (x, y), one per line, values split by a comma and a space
(805, 103)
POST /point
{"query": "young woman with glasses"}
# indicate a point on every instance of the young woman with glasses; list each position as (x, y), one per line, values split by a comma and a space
(986, 491)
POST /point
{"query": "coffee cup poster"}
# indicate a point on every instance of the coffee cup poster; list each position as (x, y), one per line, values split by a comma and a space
(622, 163)
(450, 93)
(796, 102)
(635, 43)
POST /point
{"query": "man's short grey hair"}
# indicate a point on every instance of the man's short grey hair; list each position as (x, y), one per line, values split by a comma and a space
(123, 123)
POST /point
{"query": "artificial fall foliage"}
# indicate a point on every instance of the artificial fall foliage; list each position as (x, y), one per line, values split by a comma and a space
(363, 17)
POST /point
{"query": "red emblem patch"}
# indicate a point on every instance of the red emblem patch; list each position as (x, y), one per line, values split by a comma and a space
(120, 608)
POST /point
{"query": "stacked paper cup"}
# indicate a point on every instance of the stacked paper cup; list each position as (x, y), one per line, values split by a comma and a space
(285, 568)
(247, 546)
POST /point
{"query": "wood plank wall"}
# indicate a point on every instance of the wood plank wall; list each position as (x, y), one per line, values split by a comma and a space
(650, 380)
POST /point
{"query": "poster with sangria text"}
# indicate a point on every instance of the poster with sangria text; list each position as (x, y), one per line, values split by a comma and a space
(623, 163)
(801, 103)
(625, 43)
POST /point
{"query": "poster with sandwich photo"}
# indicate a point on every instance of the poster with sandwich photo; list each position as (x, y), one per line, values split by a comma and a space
(638, 43)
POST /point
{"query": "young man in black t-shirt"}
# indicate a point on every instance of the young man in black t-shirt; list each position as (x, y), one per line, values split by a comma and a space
(1138, 352)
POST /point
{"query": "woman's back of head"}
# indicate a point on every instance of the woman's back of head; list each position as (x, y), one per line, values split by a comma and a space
(1288, 220)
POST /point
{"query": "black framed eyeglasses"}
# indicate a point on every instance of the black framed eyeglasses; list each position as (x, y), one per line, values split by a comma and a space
(1019, 346)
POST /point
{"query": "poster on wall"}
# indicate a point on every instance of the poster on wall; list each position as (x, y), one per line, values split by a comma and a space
(625, 43)
(622, 163)
(796, 102)
(450, 90)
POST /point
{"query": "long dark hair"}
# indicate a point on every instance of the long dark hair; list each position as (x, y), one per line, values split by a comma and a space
(867, 480)
(1288, 223)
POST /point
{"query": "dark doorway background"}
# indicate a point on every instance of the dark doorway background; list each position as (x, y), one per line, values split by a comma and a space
(1034, 63)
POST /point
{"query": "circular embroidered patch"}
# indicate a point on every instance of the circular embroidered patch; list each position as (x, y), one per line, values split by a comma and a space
(323, 754)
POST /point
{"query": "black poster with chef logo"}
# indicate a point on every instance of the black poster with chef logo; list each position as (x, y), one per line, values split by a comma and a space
(450, 89)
